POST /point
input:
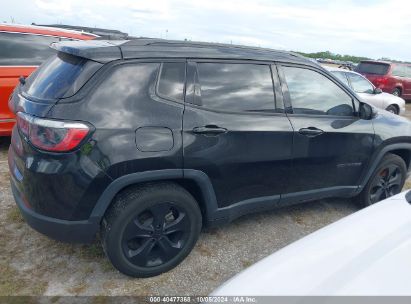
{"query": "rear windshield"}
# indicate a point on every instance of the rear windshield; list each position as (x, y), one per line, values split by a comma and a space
(372, 68)
(59, 77)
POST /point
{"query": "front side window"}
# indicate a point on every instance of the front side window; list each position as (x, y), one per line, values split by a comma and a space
(171, 80)
(312, 93)
(236, 87)
(25, 49)
(359, 84)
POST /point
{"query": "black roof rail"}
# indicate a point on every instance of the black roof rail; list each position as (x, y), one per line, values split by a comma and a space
(199, 44)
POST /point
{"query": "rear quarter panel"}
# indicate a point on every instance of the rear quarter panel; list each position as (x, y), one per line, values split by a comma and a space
(118, 105)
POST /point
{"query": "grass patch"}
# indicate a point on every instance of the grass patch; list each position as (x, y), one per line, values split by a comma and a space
(106, 266)
(78, 289)
(14, 215)
(246, 263)
(11, 283)
(92, 251)
(407, 185)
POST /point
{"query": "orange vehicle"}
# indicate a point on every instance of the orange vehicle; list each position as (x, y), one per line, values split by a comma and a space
(22, 49)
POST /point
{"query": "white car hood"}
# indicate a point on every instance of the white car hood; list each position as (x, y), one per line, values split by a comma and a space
(366, 253)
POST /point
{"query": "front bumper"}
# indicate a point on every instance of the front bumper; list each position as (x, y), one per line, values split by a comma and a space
(61, 230)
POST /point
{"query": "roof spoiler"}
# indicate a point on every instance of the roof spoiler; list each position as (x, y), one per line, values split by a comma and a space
(97, 50)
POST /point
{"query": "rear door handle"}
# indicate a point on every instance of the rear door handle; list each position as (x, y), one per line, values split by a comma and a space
(310, 131)
(210, 130)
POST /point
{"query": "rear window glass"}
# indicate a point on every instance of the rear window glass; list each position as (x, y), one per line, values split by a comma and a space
(372, 68)
(60, 76)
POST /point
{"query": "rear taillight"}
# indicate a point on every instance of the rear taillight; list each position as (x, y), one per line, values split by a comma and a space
(52, 135)
(380, 81)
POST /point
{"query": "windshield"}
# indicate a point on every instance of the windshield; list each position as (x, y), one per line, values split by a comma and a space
(372, 68)
(60, 76)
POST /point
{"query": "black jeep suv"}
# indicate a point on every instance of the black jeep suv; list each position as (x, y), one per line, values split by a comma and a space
(147, 141)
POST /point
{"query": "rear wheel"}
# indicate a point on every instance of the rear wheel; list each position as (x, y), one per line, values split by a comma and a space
(150, 229)
(396, 92)
(387, 180)
(393, 109)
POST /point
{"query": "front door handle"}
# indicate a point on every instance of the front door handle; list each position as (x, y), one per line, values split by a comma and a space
(310, 131)
(209, 130)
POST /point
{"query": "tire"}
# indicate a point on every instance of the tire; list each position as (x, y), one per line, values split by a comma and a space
(396, 92)
(387, 180)
(393, 109)
(150, 229)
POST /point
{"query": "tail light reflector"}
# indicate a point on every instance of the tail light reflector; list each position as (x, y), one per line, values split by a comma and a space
(381, 81)
(52, 135)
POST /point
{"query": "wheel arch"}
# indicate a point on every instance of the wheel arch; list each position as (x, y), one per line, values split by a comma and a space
(403, 150)
(195, 182)
(399, 87)
(394, 105)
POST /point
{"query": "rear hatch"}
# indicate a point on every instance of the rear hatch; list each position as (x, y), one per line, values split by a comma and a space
(373, 70)
(63, 74)
(59, 77)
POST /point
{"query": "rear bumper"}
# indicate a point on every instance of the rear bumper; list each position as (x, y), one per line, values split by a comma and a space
(61, 230)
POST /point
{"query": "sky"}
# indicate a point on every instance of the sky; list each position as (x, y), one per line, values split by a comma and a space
(372, 28)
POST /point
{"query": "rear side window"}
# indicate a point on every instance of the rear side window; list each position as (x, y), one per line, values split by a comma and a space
(171, 80)
(60, 76)
(236, 87)
(25, 49)
(312, 93)
(372, 68)
(399, 70)
(341, 76)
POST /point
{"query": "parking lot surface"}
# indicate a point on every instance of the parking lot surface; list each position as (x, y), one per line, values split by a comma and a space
(32, 264)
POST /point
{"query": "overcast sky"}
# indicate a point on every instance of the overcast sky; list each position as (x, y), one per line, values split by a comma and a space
(373, 28)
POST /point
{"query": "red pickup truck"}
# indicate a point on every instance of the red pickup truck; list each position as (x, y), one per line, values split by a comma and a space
(22, 49)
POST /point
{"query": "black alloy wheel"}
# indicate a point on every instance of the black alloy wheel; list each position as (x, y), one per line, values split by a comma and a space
(387, 180)
(156, 235)
(150, 228)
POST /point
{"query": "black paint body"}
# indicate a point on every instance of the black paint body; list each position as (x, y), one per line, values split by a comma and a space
(259, 162)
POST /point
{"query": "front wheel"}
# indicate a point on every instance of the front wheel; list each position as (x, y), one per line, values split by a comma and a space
(150, 229)
(387, 180)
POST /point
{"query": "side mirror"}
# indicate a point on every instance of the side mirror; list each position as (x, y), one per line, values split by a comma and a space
(366, 111)
(377, 91)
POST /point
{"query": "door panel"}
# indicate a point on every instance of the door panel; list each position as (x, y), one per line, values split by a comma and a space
(252, 159)
(245, 154)
(336, 157)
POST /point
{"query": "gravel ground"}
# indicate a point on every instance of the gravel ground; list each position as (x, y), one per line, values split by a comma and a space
(32, 264)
